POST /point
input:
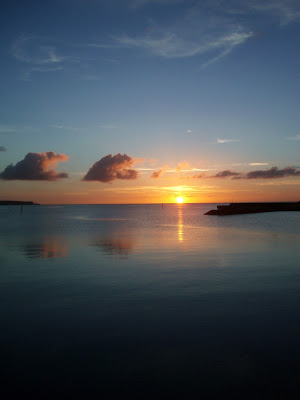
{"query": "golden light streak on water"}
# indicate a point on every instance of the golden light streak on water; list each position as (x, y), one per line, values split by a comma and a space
(180, 224)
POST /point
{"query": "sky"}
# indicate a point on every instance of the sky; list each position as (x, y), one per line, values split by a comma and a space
(142, 101)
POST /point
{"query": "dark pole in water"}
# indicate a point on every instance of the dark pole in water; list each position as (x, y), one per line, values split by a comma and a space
(22, 210)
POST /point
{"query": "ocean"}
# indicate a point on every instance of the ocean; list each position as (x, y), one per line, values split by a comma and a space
(105, 301)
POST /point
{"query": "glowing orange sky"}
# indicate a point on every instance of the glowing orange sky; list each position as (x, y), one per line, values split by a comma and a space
(151, 191)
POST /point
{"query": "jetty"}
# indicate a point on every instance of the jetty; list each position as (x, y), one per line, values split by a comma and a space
(251, 208)
(17, 203)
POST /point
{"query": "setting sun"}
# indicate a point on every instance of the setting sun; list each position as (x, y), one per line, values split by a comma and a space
(179, 200)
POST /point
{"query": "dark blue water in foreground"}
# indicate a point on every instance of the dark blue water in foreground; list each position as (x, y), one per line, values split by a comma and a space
(105, 301)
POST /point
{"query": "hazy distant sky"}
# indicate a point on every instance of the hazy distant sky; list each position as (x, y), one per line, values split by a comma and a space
(198, 99)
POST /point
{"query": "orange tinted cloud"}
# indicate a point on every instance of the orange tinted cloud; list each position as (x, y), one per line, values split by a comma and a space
(36, 167)
(111, 167)
(183, 165)
(156, 174)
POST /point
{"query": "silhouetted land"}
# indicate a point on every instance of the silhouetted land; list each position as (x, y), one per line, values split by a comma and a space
(249, 208)
(17, 203)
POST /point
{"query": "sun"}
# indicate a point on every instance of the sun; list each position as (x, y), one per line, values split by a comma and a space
(179, 200)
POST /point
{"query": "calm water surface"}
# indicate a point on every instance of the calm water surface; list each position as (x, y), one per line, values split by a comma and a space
(104, 301)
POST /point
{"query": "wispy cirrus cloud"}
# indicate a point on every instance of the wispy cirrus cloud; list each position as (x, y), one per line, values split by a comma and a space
(27, 75)
(41, 54)
(227, 140)
(16, 129)
(251, 164)
(172, 45)
(211, 29)
(36, 50)
(286, 11)
(64, 127)
(282, 11)
(108, 126)
(9, 129)
(258, 163)
(295, 138)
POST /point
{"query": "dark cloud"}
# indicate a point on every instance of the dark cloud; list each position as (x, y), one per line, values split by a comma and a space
(273, 173)
(156, 174)
(36, 167)
(225, 174)
(111, 167)
(2, 148)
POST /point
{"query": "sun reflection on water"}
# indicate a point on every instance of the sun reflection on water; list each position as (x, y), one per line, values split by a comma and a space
(47, 247)
(180, 224)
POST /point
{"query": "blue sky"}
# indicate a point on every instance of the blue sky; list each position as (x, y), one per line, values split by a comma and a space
(213, 83)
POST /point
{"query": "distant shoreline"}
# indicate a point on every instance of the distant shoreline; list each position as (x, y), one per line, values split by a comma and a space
(17, 203)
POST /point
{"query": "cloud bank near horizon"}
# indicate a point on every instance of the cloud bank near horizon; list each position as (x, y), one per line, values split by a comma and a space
(36, 167)
(110, 168)
(272, 173)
